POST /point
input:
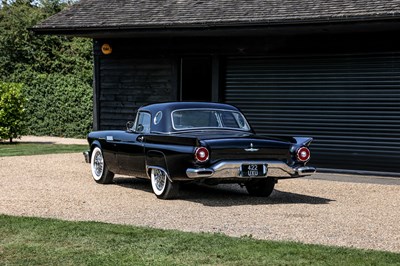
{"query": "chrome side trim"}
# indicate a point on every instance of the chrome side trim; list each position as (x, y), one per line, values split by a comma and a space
(148, 167)
(231, 169)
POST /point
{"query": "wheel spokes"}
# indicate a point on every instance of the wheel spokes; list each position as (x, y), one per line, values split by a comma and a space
(98, 164)
(159, 177)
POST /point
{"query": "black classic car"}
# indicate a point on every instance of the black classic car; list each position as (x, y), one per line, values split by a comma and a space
(171, 143)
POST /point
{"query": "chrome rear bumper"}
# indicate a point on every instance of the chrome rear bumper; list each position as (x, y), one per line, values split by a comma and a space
(231, 169)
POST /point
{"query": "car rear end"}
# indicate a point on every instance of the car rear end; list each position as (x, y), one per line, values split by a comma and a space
(250, 157)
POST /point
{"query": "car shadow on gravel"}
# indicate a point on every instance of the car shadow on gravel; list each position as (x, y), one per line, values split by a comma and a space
(224, 195)
(134, 183)
(234, 195)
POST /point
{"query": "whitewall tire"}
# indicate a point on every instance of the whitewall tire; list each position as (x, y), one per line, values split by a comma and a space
(100, 172)
(163, 188)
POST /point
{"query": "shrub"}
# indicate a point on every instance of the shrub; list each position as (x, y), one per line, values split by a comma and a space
(12, 112)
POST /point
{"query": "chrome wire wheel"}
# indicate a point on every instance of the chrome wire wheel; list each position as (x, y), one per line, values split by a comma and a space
(100, 172)
(158, 181)
(97, 163)
(163, 186)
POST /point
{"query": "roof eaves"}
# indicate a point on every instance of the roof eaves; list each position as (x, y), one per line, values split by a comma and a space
(216, 25)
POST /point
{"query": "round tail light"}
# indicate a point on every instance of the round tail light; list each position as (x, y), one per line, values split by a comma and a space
(303, 154)
(201, 154)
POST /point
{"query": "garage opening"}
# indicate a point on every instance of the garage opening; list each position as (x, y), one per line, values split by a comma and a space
(196, 79)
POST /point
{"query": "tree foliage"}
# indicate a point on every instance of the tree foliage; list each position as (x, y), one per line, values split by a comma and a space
(12, 111)
(56, 68)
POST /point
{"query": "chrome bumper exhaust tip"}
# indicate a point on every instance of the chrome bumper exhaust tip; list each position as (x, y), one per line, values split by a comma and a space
(199, 173)
(305, 170)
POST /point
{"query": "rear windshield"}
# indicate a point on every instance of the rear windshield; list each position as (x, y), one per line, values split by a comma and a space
(205, 118)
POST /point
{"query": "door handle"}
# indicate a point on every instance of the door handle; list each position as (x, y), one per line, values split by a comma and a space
(140, 138)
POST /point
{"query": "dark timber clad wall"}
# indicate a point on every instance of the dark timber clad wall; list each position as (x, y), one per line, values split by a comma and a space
(349, 104)
(127, 83)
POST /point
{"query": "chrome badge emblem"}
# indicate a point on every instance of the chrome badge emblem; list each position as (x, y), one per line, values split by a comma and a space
(251, 149)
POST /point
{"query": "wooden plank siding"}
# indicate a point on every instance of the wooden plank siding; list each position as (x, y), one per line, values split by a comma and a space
(126, 83)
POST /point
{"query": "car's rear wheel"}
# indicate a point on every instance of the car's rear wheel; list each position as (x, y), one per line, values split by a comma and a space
(261, 187)
(163, 188)
(100, 171)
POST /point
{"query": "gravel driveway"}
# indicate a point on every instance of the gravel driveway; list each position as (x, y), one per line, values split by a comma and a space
(358, 215)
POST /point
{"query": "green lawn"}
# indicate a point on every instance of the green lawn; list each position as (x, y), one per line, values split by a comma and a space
(19, 149)
(35, 241)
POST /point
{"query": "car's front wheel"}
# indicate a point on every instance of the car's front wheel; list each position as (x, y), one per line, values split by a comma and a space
(261, 187)
(100, 172)
(163, 188)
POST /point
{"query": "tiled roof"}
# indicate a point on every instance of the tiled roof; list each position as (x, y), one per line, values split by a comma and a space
(164, 14)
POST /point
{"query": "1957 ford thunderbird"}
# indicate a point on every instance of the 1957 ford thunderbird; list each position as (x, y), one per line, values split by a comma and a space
(171, 143)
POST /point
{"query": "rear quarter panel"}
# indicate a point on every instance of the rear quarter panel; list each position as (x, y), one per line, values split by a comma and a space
(175, 154)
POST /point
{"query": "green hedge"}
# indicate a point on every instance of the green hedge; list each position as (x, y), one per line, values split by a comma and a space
(58, 105)
(12, 112)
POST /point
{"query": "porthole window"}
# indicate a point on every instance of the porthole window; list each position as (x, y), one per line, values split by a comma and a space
(157, 118)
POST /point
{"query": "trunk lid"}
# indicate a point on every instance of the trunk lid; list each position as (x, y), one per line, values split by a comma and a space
(234, 145)
(248, 149)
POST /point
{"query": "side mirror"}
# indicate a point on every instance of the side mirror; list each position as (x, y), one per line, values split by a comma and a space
(129, 126)
(140, 128)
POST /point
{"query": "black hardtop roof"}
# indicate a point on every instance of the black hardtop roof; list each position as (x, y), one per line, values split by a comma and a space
(171, 106)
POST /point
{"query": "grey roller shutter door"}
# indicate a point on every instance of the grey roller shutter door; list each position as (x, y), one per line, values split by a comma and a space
(350, 104)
